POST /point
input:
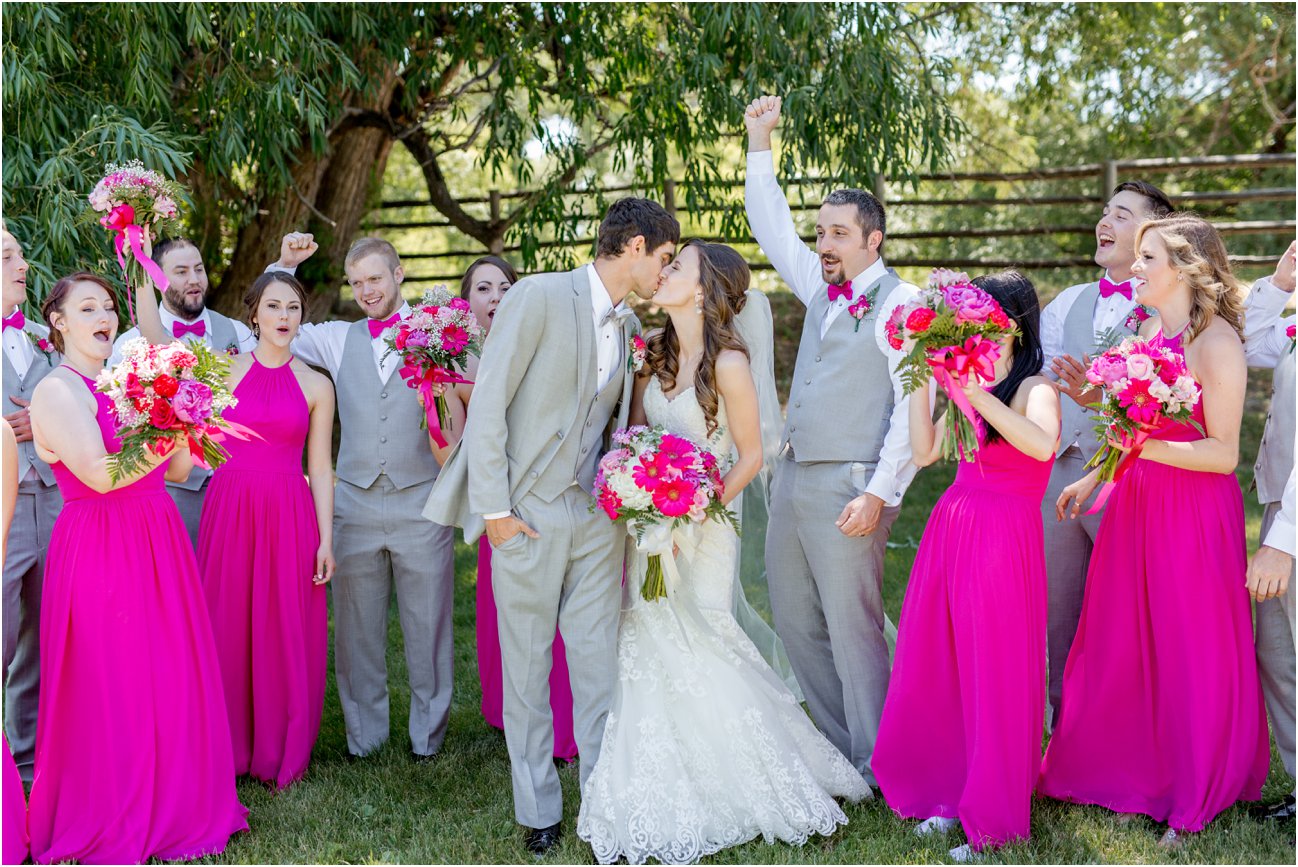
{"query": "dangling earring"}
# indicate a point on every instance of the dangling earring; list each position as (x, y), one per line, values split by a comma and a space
(698, 303)
(256, 331)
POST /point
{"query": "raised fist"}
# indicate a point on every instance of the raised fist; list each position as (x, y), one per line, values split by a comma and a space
(1284, 271)
(296, 248)
(762, 116)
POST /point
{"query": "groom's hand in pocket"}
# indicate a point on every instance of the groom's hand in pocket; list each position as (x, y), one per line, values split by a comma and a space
(501, 530)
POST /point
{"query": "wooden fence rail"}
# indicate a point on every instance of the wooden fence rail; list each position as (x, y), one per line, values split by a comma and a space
(1105, 173)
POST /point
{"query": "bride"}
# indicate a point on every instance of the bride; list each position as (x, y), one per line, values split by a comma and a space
(705, 746)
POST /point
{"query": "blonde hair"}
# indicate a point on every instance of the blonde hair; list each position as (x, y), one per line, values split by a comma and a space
(369, 247)
(1196, 251)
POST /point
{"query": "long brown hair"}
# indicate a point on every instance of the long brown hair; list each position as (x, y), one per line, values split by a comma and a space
(252, 298)
(723, 278)
(466, 282)
(1196, 251)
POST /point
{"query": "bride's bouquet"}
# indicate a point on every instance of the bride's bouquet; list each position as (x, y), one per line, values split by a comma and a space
(952, 331)
(1141, 386)
(655, 482)
(134, 199)
(167, 393)
(435, 341)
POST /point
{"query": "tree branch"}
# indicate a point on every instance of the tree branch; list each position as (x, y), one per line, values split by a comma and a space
(439, 194)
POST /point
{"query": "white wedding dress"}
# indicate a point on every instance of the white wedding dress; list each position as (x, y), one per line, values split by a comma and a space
(705, 746)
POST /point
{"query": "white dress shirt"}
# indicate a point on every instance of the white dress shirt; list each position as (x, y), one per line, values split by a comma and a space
(799, 267)
(19, 350)
(608, 330)
(321, 344)
(1109, 313)
(242, 334)
(1265, 343)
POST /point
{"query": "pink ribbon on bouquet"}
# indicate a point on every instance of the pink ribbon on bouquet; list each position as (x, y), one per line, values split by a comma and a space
(953, 366)
(122, 221)
(1135, 445)
(216, 432)
(424, 380)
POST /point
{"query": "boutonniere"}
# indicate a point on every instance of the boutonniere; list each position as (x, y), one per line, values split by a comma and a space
(1138, 315)
(862, 306)
(233, 349)
(1289, 332)
(41, 344)
(639, 350)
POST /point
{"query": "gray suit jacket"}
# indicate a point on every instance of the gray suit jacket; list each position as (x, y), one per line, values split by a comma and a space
(534, 388)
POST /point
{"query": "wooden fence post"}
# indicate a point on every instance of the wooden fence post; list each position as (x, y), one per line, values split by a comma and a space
(880, 188)
(669, 196)
(1109, 179)
(497, 245)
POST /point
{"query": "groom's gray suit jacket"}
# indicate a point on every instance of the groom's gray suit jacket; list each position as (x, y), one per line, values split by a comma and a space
(535, 424)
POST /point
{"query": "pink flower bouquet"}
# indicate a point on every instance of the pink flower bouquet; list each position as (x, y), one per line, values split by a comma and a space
(1141, 387)
(134, 199)
(161, 394)
(656, 481)
(952, 332)
(435, 341)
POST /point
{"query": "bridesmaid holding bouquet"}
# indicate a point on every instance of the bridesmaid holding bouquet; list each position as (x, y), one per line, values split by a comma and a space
(483, 286)
(1165, 711)
(265, 543)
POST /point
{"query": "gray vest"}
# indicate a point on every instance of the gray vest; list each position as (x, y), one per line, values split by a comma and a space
(219, 339)
(380, 421)
(1078, 423)
(578, 457)
(22, 389)
(841, 401)
(1275, 454)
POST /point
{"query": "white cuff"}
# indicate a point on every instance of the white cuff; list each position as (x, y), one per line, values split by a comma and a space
(275, 266)
(496, 516)
(1281, 535)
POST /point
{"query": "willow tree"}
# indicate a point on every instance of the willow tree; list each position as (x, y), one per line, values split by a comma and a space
(281, 117)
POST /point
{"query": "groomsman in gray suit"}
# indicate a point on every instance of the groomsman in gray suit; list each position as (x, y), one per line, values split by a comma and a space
(1268, 343)
(846, 458)
(1074, 326)
(385, 473)
(186, 316)
(28, 357)
(554, 376)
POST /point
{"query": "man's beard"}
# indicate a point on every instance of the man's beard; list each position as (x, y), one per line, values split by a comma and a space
(182, 306)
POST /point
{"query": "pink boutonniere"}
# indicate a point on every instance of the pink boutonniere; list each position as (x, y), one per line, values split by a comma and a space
(862, 306)
(40, 343)
(233, 349)
(637, 354)
(1138, 315)
(1289, 332)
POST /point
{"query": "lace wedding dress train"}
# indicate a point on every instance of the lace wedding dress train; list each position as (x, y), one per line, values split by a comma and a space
(705, 746)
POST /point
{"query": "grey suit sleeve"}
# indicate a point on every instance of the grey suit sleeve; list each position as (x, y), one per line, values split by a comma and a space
(516, 331)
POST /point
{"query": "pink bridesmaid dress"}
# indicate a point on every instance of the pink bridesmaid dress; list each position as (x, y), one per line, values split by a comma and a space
(15, 811)
(1164, 715)
(489, 673)
(133, 753)
(960, 735)
(256, 552)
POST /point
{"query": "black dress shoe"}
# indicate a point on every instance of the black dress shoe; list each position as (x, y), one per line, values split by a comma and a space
(1279, 812)
(423, 758)
(541, 840)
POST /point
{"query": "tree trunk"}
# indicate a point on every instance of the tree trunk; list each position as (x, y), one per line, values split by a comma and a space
(329, 196)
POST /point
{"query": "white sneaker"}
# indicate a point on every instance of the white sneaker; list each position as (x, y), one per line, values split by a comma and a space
(964, 854)
(935, 825)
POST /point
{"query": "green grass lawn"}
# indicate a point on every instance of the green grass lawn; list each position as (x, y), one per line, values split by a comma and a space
(459, 809)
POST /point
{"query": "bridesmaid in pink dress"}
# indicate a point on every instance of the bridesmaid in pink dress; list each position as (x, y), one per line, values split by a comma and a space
(14, 805)
(133, 756)
(960, 737)
(265, 544)
(1165, 716)
(483, 285)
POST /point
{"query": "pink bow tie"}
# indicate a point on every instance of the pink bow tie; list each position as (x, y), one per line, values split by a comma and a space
(15, 320)
(836, 291)
(179, 329)
(1108, 287)
(378, 326)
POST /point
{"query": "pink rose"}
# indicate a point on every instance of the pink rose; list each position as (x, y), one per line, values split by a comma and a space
(458, 304)
(193, 402)
(1140, 366)
(415, 338)
(162, 415)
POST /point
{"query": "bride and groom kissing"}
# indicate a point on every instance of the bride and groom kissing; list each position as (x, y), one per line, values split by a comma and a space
(689, 742)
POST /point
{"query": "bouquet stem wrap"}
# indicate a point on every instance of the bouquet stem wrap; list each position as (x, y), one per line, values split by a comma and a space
(662, 576)
(1114, 464)
(953, 367)
(436, 415)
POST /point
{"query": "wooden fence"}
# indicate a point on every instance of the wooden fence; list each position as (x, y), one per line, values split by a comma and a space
(1105, 174)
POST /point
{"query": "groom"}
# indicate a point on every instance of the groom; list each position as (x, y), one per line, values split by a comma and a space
(846, 453)
(553, 377)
